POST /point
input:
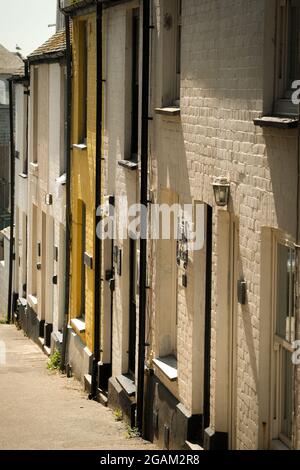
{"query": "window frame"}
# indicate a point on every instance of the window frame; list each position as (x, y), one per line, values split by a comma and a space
(35, 113)
(171, 27)
(279, 346)
(282, 88)
(83, 65)
(5, 90)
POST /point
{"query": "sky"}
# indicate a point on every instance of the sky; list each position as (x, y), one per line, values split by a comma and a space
(25, 23)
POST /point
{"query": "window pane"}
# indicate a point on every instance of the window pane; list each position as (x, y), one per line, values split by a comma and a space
(293, 44)
(282, 292)
(287, 394)
(292, 274)
(4, 98)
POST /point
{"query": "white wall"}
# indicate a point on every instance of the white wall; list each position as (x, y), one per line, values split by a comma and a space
(43, 182)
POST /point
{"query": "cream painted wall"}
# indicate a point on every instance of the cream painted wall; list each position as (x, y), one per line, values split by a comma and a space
(222, 91)
(42, 182)
(120, 182)
(21, 190)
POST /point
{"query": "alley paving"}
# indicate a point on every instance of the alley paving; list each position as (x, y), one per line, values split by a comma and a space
(45, 410)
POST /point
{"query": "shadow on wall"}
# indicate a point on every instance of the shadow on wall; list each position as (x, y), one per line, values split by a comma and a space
(172, 169)
(282, 154)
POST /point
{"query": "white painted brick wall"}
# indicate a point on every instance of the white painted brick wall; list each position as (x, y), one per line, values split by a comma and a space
(221, 93)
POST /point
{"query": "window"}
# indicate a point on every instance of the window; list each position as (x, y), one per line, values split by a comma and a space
(135, 85)
(287, 55)
(171, 56)
(64, 122)
(25, 138)
(35, 113)
(132, 77)
(284, 329)
(178, 49)
(4, 95)
(83, 82)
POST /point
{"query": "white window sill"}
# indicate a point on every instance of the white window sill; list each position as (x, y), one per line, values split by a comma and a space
(128, 164)
(172, 111)
(79, 146)
(32, 300)
(167, 365)
(78, 324)
(278, 122)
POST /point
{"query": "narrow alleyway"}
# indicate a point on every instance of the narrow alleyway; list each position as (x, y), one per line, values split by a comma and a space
(45, 410)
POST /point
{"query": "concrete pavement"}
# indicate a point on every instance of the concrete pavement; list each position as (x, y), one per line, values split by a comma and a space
(42, 410)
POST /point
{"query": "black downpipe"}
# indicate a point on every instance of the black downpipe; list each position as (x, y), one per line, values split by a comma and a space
(144, 215)
(98, 193)
(27, 77)
(68, 189)
(207, 346)
(12, 201)
(112, 288)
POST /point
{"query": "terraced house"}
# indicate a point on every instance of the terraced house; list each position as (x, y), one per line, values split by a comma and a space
(82, 342)
(178, 102)
(43, 316)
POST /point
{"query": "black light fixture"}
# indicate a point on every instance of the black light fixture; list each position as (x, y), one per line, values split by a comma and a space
(221, 188)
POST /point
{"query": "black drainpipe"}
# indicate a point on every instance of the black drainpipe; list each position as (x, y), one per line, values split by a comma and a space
(68, 189)
(98, 193)
(12, 201)
(144, 203)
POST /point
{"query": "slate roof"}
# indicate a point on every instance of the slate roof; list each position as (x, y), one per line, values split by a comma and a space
(10, 63)
(70, 5)
(53, 47)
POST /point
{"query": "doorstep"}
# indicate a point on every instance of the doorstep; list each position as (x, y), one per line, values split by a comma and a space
(127, 384)
(193, 446)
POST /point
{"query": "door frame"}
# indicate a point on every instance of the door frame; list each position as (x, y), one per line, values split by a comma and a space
(233, 315)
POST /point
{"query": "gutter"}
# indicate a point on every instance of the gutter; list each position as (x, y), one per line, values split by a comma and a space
(68, 190)
(12, 202)
(98, 197)
(144, 217)
(47, 57)
(75, 5)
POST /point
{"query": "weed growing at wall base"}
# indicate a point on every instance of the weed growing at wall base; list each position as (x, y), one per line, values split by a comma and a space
(54, 361)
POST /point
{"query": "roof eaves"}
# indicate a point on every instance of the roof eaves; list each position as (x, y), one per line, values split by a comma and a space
(112, 3)
(69, 6)
(47, 56)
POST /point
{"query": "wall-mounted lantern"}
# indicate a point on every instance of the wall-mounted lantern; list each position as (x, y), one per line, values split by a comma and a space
(221, 188)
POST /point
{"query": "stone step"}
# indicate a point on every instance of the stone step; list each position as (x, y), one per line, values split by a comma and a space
(193, 446)
(102, 398)
(47, 350)
(88, 383)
